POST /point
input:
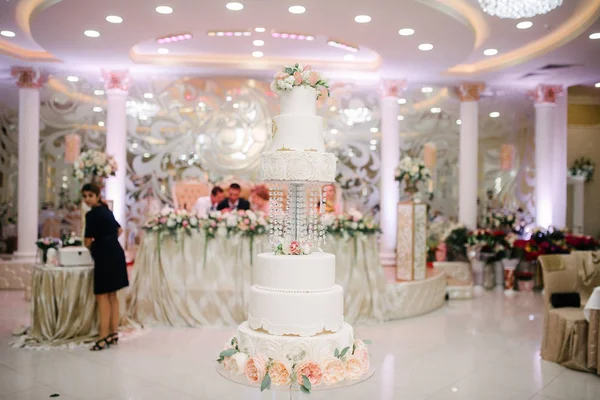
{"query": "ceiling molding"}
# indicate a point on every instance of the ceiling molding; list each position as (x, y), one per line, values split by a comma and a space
(583, 17)
(23, 54)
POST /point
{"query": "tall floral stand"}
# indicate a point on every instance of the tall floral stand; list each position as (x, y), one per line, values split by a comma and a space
(411, 242)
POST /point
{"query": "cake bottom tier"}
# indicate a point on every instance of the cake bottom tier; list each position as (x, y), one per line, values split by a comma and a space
(293, 348)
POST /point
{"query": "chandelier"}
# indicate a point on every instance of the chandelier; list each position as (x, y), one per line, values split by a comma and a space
(516, 9)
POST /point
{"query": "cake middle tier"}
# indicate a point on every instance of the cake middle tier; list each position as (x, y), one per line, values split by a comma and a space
(306, 166)
(298, 132)
(309, 273)
(292, 313)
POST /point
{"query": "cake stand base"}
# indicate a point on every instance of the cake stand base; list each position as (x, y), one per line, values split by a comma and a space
(293, 390)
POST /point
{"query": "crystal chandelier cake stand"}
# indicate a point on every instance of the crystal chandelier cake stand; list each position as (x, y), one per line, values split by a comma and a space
(516, 9)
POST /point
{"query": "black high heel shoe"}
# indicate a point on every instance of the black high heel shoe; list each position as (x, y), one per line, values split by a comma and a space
(114, 338)
(98, 345)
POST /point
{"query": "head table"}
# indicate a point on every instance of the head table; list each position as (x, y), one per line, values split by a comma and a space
(194, 280)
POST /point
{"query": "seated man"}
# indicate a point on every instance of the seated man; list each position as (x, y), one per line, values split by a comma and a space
(233, 202)
(206, 204)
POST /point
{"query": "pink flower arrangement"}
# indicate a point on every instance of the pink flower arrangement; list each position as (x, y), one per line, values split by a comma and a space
(354, 367)
(333, 371)
(256, 368)
(363, 356)
(311, 370)
(295, 248)
(280, 373)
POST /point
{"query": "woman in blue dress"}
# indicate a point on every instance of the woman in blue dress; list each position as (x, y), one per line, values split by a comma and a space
(102, 233)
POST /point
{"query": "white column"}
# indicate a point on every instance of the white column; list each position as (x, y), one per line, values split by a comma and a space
(390, 156)
(578, 204)
(545, 127)
(468, 175)
(117, 86)
(28, 82)
(559, 178)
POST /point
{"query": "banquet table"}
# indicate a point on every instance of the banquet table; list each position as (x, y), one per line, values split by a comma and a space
(192, 280)
(63, 307)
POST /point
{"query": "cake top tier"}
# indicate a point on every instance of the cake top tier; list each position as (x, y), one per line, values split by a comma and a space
(299, 75)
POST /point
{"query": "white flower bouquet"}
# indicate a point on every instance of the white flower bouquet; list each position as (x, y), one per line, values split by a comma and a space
(225, 224)
(412, 171)
(584, 167)
(299, 75)
(93, 163)
(172, 221)
(351, 224)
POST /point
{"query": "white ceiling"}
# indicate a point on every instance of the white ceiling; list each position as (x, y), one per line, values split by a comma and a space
(458, 30)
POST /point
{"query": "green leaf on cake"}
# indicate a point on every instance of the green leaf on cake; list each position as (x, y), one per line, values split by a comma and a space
(228, 353)
(266, 383)
(336, 353)
(367, 342)
(344, 352)
(306, 385)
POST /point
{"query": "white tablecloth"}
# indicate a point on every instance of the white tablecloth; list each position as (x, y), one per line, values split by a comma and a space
(593, 303)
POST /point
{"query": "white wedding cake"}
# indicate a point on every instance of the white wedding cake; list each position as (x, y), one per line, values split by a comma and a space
(295, 333)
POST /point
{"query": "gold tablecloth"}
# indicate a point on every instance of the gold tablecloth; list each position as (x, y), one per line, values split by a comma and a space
(189, 280)
(63, 307)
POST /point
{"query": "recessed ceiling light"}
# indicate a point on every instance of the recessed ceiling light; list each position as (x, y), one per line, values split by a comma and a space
(257, 54)
(297, 9)
(234, 6)
(91, 33)
(374, 130)
(597, 85)
(258, 43)
(349, 57)
(436, 110)
(425, 47)
(162, 50)
(99, 92)
(259, 30)
(494, 114)
(490, 52)
(402, 101)
(97, 109)
(400, 117)
(595, 35)
(72, 79)
(362, 19)
(373, 141)
(7, 33)
(426, 89)
(334, 131)
(114, 19)
(163, 10)
(101, 123)
(458, 122)
(406, 32)
(524, 25)
(148, 96)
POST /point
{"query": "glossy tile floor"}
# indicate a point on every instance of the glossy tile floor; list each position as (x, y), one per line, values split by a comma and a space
(485, 349)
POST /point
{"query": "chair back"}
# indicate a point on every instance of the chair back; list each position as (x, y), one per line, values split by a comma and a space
(589, 273)
(186, 193)
(560, 275)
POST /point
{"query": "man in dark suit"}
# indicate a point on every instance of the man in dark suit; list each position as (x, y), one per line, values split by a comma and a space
(233, 202)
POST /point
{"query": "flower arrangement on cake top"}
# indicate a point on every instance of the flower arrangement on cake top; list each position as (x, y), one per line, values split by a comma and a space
(93, 163)
(347, 364)
(293, 248)
(584, 167)
(351, 224)
(299, 75)
(412, 171)
(169, 220)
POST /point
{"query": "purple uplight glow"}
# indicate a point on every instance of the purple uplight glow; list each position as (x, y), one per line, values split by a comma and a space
(174, 38)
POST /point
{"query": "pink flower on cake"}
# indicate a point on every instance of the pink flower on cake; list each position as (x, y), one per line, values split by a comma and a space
(306, 68)
(295, 248)
(359, 344)
(323, 91)
(298, 78)
(353, 367)
(255, 369)
(311, 370)
(281, 75)
(363, 355)
(280, 373)
(333, 371)
(313, 78)
(227, 363)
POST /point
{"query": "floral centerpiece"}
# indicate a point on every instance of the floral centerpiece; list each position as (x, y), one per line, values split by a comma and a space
(94, 164)
(171, 221)
(581, 242)
(45, 244)
(226, 224)
(347, 364)
(71, 240)
(351, 224)
(412, 171)
(583, 167)
(299, 75)
(293, 248)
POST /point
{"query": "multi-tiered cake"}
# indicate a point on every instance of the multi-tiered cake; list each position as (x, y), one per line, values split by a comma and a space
(295, 333)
